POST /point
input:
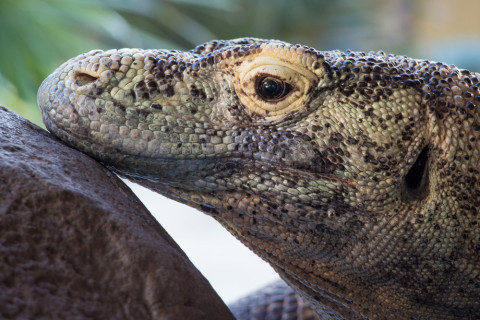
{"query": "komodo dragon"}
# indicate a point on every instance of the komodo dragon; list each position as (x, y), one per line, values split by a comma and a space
(355, 175)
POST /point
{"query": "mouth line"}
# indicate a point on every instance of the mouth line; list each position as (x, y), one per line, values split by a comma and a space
(293, 172)
(119, 154)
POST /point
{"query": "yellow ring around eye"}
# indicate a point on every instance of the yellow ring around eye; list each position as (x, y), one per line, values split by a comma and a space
(251, 71)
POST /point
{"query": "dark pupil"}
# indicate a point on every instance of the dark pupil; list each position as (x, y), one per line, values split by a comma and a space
(272, 88)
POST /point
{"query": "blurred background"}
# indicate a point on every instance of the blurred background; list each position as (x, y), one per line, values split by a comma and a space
(36, 36)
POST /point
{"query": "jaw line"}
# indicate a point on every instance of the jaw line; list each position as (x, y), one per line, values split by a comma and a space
(141, 178)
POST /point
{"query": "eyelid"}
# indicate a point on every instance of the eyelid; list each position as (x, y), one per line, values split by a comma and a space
(247, 75)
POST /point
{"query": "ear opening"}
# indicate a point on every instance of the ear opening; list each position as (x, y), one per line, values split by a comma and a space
(416, 180)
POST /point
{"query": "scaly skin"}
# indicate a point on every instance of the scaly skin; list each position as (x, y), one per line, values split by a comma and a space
(276, 301)
(358, 182)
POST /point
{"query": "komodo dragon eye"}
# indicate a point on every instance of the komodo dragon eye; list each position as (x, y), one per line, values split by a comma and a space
(270, 88)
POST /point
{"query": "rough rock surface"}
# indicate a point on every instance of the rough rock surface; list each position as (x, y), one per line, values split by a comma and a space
(75, 242)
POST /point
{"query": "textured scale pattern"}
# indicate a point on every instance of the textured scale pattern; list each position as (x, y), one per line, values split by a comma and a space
(275, 302)
(357, 180)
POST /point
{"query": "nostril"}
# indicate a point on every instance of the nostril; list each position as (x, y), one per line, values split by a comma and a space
(82, 79)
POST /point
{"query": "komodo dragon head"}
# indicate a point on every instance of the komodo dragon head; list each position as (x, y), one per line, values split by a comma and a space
(355, 175)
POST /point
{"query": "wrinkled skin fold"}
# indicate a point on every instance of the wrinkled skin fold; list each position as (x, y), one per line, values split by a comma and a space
(353, 174)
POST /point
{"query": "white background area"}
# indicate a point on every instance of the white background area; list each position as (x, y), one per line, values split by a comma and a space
(232, 269)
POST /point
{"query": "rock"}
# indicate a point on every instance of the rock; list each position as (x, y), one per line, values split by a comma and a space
(76, 243)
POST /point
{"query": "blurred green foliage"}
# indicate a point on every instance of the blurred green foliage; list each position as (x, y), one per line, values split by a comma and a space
(36, 36)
